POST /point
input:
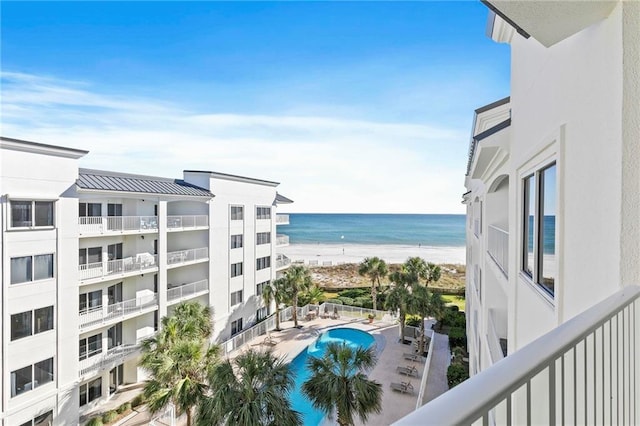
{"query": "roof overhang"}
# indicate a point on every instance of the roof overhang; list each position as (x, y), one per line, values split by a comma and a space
(40, 148)
(281, 199)
(235, 178)
(550, 21)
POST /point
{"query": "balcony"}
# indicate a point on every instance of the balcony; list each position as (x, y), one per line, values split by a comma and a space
(117, 225)
(117, 312)
(282, 240)
(119, 268)
(499, 248)
(282, 262)
(109, 359)
(585, 371)
(282, 219)
(497, 344)
(182, 257)
(187, 223)
(187, 291)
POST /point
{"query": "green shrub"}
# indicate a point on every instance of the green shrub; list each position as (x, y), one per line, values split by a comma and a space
(457, 337)
(456, 374)
(354, 292)
(96, 421)
(124, 407)
(453, 308)
(345, 300)
(137, 401)
(454, 318)
(363, 302)
(109, 416)
(413, 320)
(337, 301)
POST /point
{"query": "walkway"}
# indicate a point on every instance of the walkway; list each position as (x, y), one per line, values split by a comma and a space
(437, 381)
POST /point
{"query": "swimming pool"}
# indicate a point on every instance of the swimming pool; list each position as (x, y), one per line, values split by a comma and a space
(350, 336)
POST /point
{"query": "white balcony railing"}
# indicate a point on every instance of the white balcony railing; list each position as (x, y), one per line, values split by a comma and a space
(108, 359)
(184, 256)
(495, 349)
(117, 311)
(499, 247)
(476, 227)
(132, 264)
(186, 291)
(586, 371)
(282, 240)
(116, 224)
(282, 219)
(187, 222)
(282, 261)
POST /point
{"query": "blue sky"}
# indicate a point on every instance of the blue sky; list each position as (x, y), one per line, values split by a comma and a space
(352, 106)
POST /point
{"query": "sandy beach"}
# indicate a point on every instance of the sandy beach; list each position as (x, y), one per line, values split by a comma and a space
(325, 254)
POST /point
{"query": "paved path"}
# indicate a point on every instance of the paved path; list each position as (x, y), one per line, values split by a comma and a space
(440, 360)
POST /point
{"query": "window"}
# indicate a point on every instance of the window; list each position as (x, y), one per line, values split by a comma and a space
(88, 256)
(236, 269)
(114, 336)
(90, 391)
(539, 227)
(236, 327)
(261, 314)
(20, 325)
(31, 268)
(260, 287)
(236, 297)
(31, 214)
(90, 209)
(263, 212)
(90, 301)
(45, 419)
(263, 262)
(236, 241)
(263, 238)
(28, 323)
(90, 346)
(114, 209)
(114, 251)
(43, 320)
(237, 213)
(32, 376)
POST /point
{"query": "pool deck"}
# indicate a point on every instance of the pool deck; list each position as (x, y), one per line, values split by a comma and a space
(290, 341)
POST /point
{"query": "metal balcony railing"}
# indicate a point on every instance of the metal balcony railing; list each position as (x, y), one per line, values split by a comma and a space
(282, 261)
(586, 371)
(92, 225)
(132, 264)
(187, 291)
(109, 359)
(117, 311)
(184, 256)
(282, 219)
(282, 240)
(498, 241)
(187, 222)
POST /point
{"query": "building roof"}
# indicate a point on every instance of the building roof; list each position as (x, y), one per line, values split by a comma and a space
(236, 178)
(40, 148)
(100, 180)
(281, 199)
(480, 136)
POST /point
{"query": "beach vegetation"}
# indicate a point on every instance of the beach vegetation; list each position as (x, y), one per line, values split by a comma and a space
(313, 294)
(374, 268)
(178, 359)
(339, 382)
(296, 280)
(251, 389)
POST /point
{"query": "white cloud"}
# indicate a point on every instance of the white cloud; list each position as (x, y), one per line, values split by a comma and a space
(326, 164)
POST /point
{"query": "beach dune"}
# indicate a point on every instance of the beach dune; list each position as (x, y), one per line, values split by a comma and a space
(332, 254)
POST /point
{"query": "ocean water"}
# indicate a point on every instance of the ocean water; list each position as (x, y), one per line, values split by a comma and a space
(438, 230)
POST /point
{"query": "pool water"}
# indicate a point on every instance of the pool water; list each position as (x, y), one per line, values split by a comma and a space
(350, 336)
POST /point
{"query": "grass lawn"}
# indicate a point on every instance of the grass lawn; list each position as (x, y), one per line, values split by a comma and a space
(459, 301)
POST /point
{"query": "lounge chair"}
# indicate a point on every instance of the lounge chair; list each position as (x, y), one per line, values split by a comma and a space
(413, 357)
(269, 341)
(407, 371)
(402, 387)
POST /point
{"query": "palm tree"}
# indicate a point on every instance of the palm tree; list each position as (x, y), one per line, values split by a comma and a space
(251, 390)
(398, 299)
(416, 269)
(338, 381)
(425, 304)
(276, 291)
(178, 358)
(296, 279)
(375, 268)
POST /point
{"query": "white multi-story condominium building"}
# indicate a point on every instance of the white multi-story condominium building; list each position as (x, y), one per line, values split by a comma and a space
(92, 259)
(553, 235)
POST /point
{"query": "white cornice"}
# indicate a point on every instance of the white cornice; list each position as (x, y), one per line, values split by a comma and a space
(40, 148)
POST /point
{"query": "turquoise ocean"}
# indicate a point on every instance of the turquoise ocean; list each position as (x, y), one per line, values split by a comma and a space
(436, 230)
